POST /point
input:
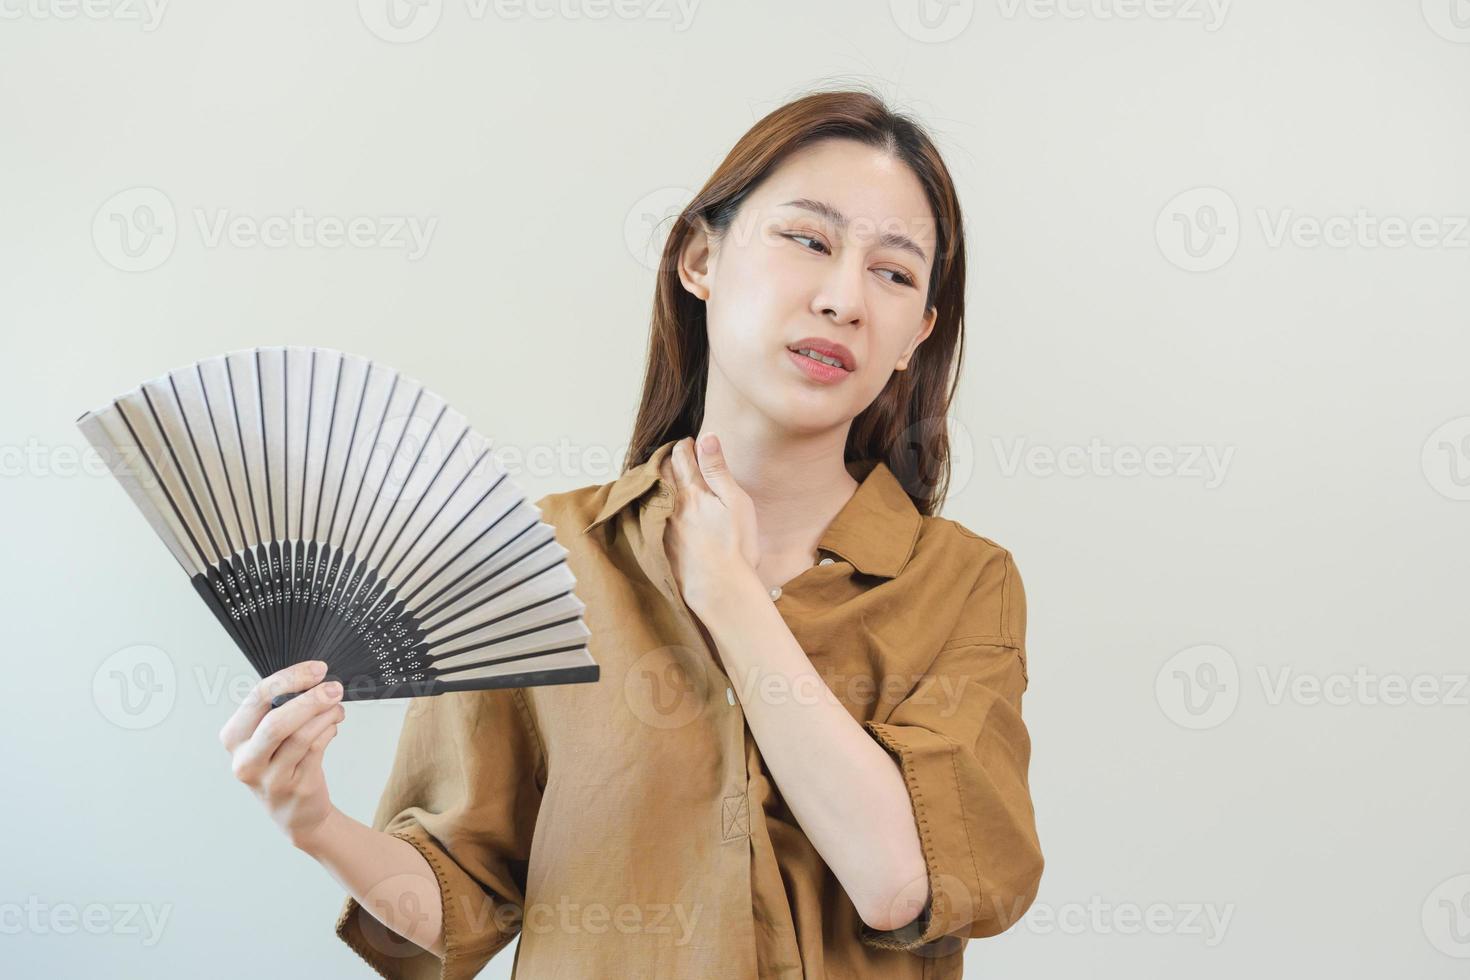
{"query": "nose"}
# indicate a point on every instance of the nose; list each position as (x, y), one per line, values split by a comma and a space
(841, 293)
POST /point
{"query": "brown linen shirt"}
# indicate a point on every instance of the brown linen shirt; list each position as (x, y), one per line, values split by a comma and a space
(629, 827)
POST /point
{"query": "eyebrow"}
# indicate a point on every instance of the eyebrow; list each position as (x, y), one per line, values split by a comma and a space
(889, 239)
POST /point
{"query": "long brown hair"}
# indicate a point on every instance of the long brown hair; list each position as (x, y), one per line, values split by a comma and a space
(905, 426)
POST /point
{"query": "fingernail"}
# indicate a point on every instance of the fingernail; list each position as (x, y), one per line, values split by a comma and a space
(318, 666)
(334, 688)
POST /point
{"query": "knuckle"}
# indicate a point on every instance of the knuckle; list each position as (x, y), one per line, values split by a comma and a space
(276, 784)
(243, 770)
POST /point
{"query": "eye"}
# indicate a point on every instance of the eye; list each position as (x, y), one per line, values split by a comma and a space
(810, 238)
(900, 278)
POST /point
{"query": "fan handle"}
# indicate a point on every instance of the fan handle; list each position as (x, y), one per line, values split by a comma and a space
(281, 699)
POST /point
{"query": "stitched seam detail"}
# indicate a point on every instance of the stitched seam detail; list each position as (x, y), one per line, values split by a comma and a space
(736, 817)
(913, 542)
(926, 839)
(1018, 649)
(1005, 595)
(981, 639)
(346, 931)
(518, 695)
(451, 937)
(451, 941)
(954, 762)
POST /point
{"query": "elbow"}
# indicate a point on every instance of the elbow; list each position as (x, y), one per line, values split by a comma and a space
(902, 901)
(887, 919)
(1006, 899)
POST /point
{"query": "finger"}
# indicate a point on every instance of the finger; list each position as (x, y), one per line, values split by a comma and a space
(313, 757)
(712, 467)
(253, 756)
(295, 745)
(686, 467)
(242, 724)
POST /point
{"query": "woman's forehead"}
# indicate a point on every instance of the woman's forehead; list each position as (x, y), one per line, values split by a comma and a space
(849, 184)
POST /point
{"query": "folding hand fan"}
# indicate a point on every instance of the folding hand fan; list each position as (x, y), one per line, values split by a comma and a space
(327, 508)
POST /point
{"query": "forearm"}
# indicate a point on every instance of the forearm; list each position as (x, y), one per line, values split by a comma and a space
(844, 788)
(386, 874)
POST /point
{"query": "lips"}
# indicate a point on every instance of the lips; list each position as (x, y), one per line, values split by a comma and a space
(827, 348)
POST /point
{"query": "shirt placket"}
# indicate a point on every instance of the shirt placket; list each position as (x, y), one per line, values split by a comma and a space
(730, 826)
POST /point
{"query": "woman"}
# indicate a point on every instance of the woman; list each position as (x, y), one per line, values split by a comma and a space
(805, 755)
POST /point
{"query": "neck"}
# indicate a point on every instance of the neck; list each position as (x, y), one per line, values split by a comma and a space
(796, 480)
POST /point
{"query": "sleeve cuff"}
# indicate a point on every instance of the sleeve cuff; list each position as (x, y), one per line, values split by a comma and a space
(983, 868)
(476, 924)
(924, 759)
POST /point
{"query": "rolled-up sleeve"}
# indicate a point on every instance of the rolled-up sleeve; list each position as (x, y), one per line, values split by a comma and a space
(960, 742)
(464, 789)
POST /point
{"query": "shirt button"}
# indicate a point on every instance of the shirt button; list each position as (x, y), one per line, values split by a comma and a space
(776, 592)
(730, 695)
(825, 561)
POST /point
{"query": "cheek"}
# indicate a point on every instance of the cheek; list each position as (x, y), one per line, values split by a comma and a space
(874, 377)
(770, 274)
(750, 308)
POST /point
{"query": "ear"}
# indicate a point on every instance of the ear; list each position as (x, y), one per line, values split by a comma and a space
(930, 317)
(696, 259)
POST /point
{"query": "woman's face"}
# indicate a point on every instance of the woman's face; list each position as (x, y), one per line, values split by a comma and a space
(837, 244)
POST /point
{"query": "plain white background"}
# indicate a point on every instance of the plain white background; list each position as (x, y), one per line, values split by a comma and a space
(1215, 402)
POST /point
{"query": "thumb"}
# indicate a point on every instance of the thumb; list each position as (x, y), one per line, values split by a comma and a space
(712, 465)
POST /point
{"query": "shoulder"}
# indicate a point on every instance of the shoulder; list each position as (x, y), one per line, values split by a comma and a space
(994, 604)
(573, 509)
(948, 542)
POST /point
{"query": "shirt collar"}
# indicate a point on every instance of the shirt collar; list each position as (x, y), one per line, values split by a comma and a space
(876, 529)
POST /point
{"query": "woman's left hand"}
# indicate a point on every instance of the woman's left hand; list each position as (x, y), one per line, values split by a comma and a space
(712, 533)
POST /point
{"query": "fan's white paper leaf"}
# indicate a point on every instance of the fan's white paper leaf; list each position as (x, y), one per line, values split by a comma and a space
(328, 508)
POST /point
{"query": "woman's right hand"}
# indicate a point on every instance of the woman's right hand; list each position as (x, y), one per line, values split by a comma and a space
(277, 752)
